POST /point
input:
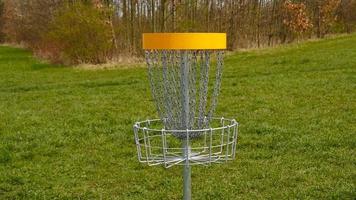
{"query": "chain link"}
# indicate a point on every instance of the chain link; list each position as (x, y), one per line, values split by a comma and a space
(166, 82)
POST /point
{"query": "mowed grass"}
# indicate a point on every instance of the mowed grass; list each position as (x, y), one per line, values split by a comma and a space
(66, 133)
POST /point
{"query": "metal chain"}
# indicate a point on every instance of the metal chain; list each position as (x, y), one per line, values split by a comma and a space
(151, 65)
(167, 89)
(214, 99)
(166, 81)
(192, 88)
(203, 87)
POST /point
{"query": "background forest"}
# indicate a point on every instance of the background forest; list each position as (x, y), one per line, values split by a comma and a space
(95, 31)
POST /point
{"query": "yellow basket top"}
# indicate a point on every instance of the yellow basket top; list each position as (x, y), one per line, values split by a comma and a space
(184, 41)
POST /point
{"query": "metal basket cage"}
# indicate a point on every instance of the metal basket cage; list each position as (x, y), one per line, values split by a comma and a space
(158, 146)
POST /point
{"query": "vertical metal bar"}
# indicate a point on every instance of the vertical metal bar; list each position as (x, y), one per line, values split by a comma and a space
(149, 143)
(163, 134)
(187, 195)
(205, 138)
(145, 142)
(205, 143)
(137, 141)
(235, 139)
(222, 134)
(227, 143)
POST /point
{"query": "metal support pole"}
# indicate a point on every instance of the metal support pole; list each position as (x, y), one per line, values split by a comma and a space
(187, 194)
(187, 179)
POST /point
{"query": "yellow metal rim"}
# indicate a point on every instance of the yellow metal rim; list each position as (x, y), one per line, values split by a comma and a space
(184, 41)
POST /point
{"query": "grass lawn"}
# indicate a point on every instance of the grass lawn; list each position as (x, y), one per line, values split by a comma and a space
(66, 133)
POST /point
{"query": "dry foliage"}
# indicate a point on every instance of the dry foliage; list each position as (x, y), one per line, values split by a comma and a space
(249, 24)
(296, 18)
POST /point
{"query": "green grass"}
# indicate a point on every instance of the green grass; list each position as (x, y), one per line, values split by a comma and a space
(66, 133)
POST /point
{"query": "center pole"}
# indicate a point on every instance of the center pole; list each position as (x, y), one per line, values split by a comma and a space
(187, 193)
(187, 179)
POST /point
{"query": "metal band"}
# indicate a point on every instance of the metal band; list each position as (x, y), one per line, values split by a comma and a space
(184, 41)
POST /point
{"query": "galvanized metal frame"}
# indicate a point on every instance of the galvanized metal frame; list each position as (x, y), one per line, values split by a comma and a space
(215, 150)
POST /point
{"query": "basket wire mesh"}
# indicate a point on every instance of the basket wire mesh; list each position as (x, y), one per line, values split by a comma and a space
(160, 146)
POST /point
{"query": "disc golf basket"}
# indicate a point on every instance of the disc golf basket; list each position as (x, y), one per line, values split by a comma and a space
(185, 71)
